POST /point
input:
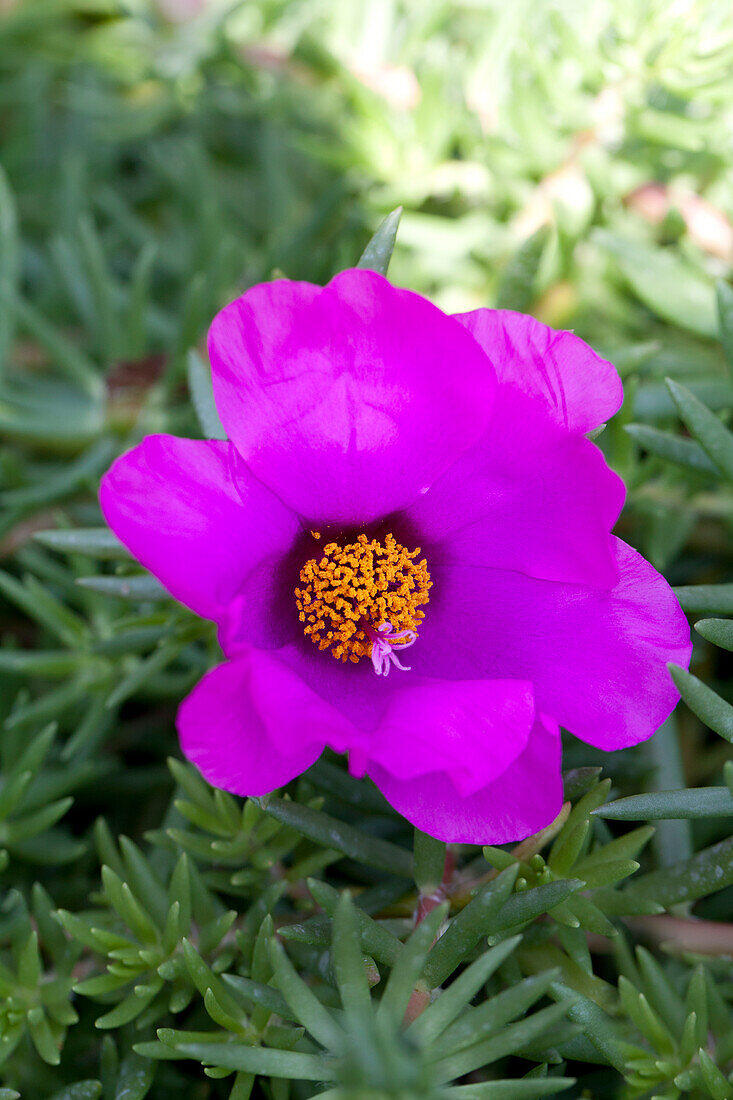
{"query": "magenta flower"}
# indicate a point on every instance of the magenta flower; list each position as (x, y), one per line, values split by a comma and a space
(407, 493)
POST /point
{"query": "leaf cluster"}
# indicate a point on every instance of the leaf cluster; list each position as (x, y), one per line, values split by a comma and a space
(159, 938)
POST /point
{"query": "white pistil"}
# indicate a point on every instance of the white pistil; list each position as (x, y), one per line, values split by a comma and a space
(383, 652)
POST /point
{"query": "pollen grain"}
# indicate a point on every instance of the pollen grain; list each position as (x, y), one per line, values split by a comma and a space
(351, 591)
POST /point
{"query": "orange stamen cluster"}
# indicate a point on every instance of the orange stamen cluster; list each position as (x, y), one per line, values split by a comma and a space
(350, 591)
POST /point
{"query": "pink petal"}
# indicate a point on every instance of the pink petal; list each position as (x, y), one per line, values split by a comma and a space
(520, 801)
(192, 514)
(582, 390)
(529, 496)
(597, 659)
(360, 695)
(347, 401)
(252, 725)
(471, 730)
(411, 725)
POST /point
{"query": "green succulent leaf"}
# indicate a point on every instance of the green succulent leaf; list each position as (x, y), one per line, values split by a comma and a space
(479, 918)
(378, 252)
(669, 287)
(202, 395)
(230, 1054)
(708, 430)
(724, 294)
(133, 587)
(692, 803)
(714, 711)
(156, 164)
(706, 599)
(93, 542)
(332, 833)
(516, 288)
(708, 870)
(717, 631)
(684, 452)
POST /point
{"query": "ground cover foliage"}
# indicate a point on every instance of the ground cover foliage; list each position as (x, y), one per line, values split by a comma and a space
(159, 938)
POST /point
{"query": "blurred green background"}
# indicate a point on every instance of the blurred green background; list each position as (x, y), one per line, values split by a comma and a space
(567, 158)
(222, 141)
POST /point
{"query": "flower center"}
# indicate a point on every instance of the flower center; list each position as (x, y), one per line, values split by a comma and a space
(364, 600)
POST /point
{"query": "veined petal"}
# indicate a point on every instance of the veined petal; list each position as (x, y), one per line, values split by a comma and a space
(254, 723)
(251, 725)
(520, 801)
(581, 390)
(347, 400)
(411, 725)
(597, 658)
(191, 513)
(470, 730)
(529, 496)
